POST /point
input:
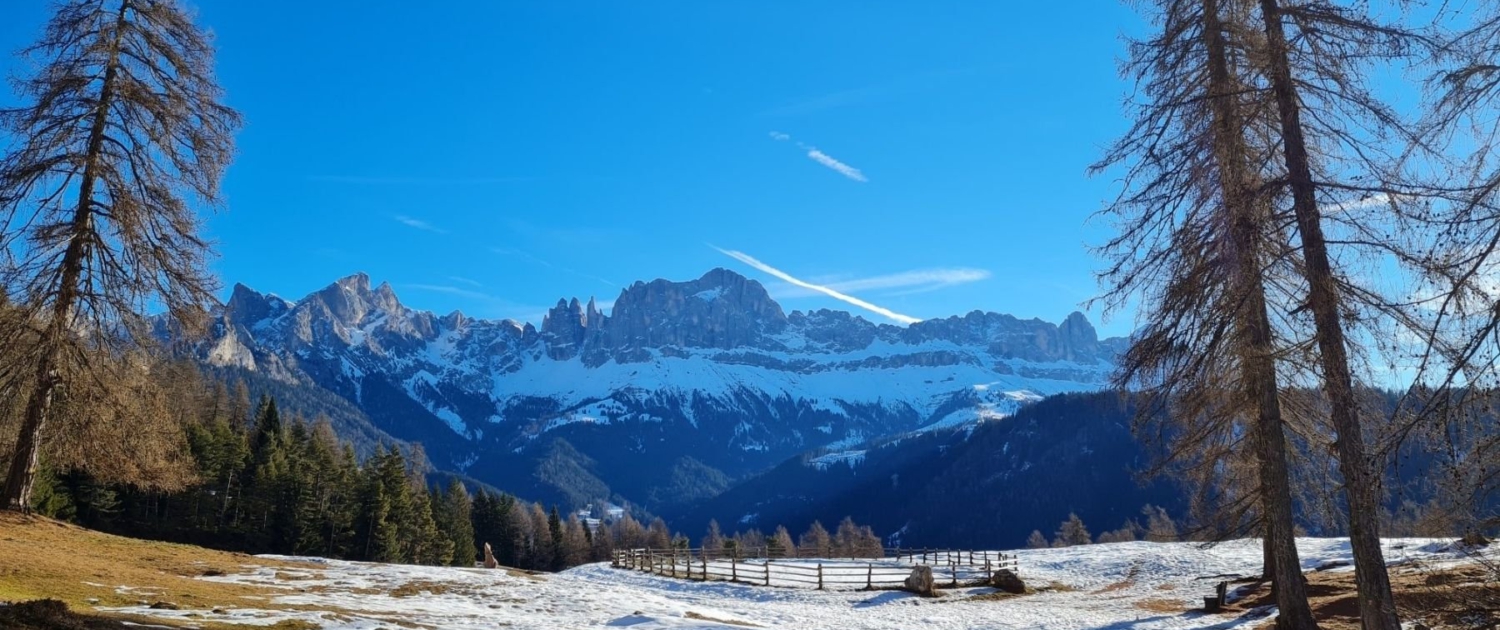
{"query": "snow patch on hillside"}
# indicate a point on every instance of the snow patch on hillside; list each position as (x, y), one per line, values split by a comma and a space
(846, 458)
(828, 384)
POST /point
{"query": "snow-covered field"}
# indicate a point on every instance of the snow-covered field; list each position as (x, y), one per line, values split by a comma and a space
(1137, 585)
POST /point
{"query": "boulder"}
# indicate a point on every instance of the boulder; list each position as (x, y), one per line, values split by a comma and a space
(921, 582)
(1474, 539)
(489, 557)
(1007, 580)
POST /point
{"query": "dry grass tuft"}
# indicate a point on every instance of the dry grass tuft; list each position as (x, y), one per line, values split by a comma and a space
(1128, 582)
(1160, 605)
(998, 596)
(421, 587)
(702, 617)
(1057, 587)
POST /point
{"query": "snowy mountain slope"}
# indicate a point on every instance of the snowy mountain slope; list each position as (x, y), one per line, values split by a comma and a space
(710, 370)
(986, 485)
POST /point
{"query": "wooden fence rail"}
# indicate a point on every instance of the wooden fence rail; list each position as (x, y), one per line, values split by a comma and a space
(890, 569)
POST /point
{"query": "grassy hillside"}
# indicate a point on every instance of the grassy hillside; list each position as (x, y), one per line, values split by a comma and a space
(47, 559)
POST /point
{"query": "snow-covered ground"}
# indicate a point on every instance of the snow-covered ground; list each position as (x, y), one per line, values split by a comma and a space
(1137, 585)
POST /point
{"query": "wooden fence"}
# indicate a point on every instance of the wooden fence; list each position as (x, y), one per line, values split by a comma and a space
(890, 570)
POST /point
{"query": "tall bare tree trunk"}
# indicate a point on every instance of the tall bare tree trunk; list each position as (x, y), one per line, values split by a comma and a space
(23, 466)
(1270, 446)
(1376, 605)
(1255, 346)
(1267, 559)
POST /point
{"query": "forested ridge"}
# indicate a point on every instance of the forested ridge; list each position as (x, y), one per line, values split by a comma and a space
(258, 480)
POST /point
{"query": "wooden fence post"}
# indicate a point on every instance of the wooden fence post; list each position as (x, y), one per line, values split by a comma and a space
(953, 567)
(734, 569)
(870, 576)
(768, 572)
(705, 568)
(820, 576)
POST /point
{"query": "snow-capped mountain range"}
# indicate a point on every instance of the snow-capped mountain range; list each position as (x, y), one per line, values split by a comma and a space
(703, 379)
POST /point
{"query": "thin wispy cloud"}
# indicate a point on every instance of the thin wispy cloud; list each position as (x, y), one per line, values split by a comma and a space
(822, 158)
(828, 291)
(452, 290)
(484, 304)
(895, 284)
(463, 280)
(510, 251)
(418, 224)
(842, 168)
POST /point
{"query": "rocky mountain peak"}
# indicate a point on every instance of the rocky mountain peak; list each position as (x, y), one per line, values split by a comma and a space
(350, 300)
(591, 314)
(247, 306)
(358, 282)
(564, 328)
(1077, 336)
(721, 309)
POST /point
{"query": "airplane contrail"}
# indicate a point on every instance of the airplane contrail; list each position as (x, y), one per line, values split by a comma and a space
(786, 277)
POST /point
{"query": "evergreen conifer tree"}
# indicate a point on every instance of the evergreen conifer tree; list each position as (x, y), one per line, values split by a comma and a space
(455, 515)
(555, 532)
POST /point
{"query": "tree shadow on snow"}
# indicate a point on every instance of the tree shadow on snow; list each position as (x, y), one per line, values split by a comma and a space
(1228, 622)
(884, 598)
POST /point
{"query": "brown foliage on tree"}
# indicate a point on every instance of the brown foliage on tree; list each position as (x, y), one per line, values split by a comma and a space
(122, 129)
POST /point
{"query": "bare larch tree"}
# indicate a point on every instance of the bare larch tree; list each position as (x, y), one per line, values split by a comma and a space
(1194, 226)
(124, 128)
(1321, 71)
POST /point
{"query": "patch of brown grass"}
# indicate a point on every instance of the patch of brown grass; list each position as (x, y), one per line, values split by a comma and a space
(51, 614)
(998, 596)
(1128, 582)
(1459, 597)
(420, 587)
(702, 617)
(48, 559)
(1161, 605)
(293, 624)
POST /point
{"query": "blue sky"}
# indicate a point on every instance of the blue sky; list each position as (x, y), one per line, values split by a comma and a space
(927, 158)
